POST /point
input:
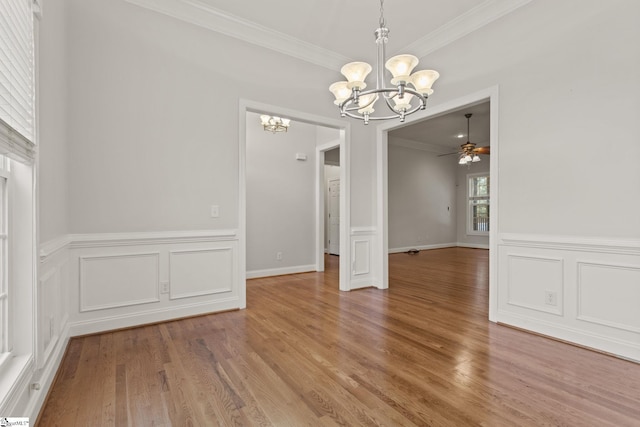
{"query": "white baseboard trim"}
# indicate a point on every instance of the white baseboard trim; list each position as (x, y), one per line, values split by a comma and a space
(152, 316)
(422, 247)
(364, 283)
(47, 376)
(624, 349)
(280, 271)
(472, 245)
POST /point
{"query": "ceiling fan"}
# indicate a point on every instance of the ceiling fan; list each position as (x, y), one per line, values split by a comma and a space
(468, 151)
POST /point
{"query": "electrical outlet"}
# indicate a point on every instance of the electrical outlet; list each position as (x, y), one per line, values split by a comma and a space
(551, 298)
(164, 288)
(279, 256)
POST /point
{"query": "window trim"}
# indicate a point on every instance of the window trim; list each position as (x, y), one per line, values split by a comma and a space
(470, 200)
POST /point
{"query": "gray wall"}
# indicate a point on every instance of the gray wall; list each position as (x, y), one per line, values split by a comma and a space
(154, 136)
(53, 123)
(422, 201)
(280, 196)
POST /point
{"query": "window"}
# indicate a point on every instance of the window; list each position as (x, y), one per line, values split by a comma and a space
(5, 343)
(17, 82)
(478, 212)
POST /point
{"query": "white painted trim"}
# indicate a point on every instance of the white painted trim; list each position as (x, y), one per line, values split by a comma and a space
(320, 206)
(15, 378)
(255, 274)
(204, 15)
(48, 374)
(83, 259)
(53, 246)
(149, 238)
(345, 187)
(363, 231)
(472, 245)
(151, 316)
(572, 243)
(422, 247)
(463, 25)
(621, 348)
(173, 297)
(381, 258)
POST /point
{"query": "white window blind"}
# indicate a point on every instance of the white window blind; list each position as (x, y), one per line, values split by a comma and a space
(17, 85)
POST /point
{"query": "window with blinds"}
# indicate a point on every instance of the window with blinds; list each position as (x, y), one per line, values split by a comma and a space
(5, 344)
(17, 87)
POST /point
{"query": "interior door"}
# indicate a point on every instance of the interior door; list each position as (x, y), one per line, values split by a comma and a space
(334, 216)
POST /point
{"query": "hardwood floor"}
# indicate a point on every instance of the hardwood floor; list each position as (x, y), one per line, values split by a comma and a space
(420, 353)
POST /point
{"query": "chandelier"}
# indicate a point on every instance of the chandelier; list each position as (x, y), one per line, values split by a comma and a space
(401, 100)
(274, 124)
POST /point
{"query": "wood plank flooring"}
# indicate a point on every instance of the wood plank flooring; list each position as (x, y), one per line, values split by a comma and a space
(421, 353)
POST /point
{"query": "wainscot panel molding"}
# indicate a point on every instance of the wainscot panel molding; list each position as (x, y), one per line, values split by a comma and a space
(51, 323)
(111, 281)
(198, 272)
(582, 290)
(51, 247)
(587, 244)
(122, 280)
(362, 274)
(164, 237)
(617, 303)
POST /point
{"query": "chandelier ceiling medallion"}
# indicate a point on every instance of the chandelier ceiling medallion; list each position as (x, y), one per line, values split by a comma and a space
(355, 102)
(274, 124)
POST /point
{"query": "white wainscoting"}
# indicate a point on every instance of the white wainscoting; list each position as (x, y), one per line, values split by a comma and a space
(200, 272)
(111, 281)
(362, 274)
(123, 280)
(92, 283)
(594, 286)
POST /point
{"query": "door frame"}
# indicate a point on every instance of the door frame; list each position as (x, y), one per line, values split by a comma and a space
(344, 128)
(382, 210)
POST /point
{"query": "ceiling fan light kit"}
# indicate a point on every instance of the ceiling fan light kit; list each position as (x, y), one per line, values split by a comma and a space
(468, 151)
(401, 100)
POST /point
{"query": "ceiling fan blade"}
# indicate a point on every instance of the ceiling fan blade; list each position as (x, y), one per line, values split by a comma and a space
(482, 150)
(448, 154)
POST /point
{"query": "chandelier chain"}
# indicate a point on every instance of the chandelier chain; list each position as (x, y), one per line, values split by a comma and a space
(381, 13)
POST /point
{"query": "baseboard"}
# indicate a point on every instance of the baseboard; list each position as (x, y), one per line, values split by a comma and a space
(47, 377)
(280, 271)
(152, 316)
(472, 245)
(619, 348)
(422, 247)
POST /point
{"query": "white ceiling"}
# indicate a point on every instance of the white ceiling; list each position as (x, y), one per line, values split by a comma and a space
(346, 26)
(330, 33)
(441, 133)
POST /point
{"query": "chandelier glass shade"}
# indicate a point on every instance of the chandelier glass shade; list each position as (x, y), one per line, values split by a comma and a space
(274, 124)
(398, 100)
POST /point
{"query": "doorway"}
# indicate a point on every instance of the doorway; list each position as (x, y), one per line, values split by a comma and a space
(382, 253)
(338, 128)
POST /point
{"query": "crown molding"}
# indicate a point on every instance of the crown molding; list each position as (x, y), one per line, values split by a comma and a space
(203, 15)
(468, 22)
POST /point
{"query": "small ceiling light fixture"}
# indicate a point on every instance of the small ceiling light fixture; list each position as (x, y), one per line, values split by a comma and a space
(274, 124)
(353, 101)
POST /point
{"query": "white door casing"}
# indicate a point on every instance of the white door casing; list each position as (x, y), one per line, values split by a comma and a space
(334, 216)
